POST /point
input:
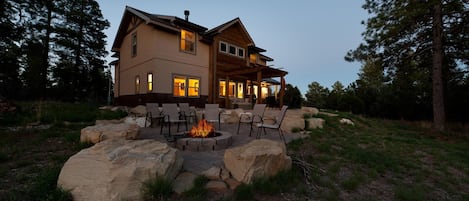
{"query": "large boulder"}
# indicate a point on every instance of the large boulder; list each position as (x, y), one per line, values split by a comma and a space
(292, 122)
(100, 132)
(114, 170)
(231, 116)
(315, 122)
(259, 158)
(139, 111)
(310, 110)
(140, 121)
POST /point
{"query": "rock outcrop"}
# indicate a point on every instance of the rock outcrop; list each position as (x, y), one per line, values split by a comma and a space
(104, 131)
(114, 170)
(259, 158)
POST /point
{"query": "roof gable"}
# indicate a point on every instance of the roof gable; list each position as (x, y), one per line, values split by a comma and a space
(219, 29)
(164, 22)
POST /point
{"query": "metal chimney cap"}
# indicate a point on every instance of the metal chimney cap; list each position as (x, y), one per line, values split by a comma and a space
(186, 13)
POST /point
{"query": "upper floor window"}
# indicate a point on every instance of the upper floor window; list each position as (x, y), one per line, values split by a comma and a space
(187, 41)
(134, 45)
(253, 58)
(150, 82)
(231, 49)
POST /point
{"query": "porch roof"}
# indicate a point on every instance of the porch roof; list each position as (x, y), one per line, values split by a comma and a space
(251, 72)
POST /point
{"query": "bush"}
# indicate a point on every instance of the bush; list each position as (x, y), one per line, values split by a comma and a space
(158, 188)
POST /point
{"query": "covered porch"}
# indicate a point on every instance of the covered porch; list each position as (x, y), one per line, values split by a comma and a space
(254, 85)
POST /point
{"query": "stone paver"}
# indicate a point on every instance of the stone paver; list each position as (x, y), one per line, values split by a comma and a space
(197, 162)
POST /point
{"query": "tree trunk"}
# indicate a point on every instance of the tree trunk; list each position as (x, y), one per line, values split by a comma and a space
(439, 116)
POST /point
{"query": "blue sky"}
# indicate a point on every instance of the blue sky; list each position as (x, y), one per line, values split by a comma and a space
(307, 38)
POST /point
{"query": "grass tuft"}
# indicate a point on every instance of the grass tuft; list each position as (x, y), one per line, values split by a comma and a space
(198, 192)
(158, 188)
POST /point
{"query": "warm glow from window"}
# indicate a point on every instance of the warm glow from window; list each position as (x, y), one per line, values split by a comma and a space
(253, 58)
(179, 84)
(187, 41)
(231, 89)
(137, 84)
(150, 82)
(265, 92)
(193, 89)
(240, 93)
(222, 88)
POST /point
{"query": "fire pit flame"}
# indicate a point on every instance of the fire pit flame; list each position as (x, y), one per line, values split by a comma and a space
(203, 129)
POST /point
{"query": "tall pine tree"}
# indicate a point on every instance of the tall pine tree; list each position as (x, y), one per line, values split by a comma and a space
(405, 34)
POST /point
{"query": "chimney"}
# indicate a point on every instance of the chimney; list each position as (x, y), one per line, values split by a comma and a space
(186, 13)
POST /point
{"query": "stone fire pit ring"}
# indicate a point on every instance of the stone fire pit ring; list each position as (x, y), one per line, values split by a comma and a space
(222, 140)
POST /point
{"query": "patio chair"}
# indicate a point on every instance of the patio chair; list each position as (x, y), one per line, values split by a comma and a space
(275, 125)
(250, 118)
(172, 115)
(212, 114)
(153, 114)
(189, 113)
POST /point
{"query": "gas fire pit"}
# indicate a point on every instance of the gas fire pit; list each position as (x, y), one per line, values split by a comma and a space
(203, 137)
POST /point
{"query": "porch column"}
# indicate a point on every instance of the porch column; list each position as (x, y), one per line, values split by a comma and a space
(227, 92)
(282, 90)
(259, 87)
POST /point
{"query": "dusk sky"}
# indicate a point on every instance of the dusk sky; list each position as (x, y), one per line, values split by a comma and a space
(309, 39)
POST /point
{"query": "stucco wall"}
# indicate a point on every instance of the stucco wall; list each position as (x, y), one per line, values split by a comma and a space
(158, 52)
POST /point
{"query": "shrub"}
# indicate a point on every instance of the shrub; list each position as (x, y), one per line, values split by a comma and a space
(158, 188)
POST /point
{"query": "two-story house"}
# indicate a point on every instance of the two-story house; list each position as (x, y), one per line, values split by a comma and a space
(166, 59)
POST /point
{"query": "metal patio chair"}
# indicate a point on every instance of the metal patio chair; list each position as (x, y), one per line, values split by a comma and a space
(252, 117)
(276, 125)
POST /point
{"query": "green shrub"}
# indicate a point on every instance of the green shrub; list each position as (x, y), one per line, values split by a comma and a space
(158, 188)
(45, 188)
(198, 192)
(244, 192)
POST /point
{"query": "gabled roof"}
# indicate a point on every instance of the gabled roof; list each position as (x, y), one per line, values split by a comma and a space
(217, 30)
(165, 22)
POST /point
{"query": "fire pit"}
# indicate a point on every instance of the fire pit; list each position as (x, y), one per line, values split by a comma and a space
(203, 137)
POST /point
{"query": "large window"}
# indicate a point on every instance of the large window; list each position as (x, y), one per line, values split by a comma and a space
(150, 82)
(235, 89)
(137, 84)
(231, 49)
(186, 86)
(187, 41)
(134, 45)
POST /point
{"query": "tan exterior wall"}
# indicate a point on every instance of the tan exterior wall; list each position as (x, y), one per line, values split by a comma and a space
(158, 53)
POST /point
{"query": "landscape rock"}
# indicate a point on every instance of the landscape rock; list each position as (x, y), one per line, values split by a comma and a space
(217, 186)
(259, 158)
(292, 122)
(315, 123)
(107, 122)
(139, 111)
(114, 170)
(231, 116)
(347, 121)
(101, 132)
(184, 182)
(232, 183)
(213, 173)
(140, 121)
(310, 110)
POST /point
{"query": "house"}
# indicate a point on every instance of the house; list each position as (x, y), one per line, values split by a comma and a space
(165, 59)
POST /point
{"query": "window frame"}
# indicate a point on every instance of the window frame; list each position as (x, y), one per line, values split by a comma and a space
(186, 85)
(194, 41)
(137, 83)
(133, 44)
(150, 82)
(226, 47)
(232, 50)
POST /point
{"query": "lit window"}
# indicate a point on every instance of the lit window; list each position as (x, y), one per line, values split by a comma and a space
(193, 88)
(222, 89)
(134, 45)
(137, 84)
(240, 93)
(223, 47)
(253, 58)
(232, 89)
(187, 41)
(179, 84)
(150, 82)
